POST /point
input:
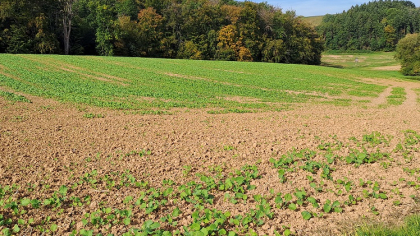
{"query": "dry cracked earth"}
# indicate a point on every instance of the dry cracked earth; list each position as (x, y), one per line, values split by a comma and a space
(47, 144)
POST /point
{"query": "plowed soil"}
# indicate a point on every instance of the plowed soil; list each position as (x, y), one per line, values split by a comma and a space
(47, 144)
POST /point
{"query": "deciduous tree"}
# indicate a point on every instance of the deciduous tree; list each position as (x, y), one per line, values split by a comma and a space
(408, 52)
(67, 23)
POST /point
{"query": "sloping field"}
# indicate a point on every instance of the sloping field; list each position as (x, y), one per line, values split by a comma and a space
(314, 20)
(381, 61)
(316, 150)
(150, 84)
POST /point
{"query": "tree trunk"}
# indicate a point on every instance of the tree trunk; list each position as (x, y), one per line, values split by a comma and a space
(67, 17)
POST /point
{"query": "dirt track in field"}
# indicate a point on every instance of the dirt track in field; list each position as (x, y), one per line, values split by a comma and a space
(49, 143)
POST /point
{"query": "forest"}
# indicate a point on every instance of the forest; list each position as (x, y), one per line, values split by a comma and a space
(188, 29)
(374, 26)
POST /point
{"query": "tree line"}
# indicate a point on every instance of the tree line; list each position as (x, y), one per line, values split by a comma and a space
(192, 29)
(375, 26)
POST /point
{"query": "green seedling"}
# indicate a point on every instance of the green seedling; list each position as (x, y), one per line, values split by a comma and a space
(306, 215)
(386, 165)
(374, 210)
(317, 187)
(346, 184)
(92, 115)
(375, 138)
(335, 206)
(330, 158)
(282, 176)
(397, 203)
(285, 201)
(228, 148)
(352, 200)
(186, 170)
(358, 158)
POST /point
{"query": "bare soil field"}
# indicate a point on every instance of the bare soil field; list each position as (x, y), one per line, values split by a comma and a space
(46, 144)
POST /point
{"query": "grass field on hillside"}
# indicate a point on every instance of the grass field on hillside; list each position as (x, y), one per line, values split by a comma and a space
(314, 20)
(367, 61)
(147, 84)
(367, 65)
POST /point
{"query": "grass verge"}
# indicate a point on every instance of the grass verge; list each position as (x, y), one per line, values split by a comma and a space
(411, 227)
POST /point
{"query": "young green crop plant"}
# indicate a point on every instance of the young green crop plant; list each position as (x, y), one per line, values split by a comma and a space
(186, 170)
(92, 115)
(335, 206)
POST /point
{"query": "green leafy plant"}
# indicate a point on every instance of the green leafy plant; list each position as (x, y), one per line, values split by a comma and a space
(186, 170)
(335, 206)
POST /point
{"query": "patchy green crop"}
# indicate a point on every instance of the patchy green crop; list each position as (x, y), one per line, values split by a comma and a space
(14, 97)
(397, 96)
(156, 85)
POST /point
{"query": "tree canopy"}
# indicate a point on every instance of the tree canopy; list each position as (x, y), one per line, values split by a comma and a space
(375, 26)
(193, 29)
(408, 52)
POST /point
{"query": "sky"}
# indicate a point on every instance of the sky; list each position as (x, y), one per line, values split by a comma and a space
(317, 7)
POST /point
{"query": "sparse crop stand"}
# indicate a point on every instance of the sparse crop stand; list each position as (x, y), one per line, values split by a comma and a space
(135, 146)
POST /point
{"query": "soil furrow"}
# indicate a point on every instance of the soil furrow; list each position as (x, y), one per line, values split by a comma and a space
(411, 99)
